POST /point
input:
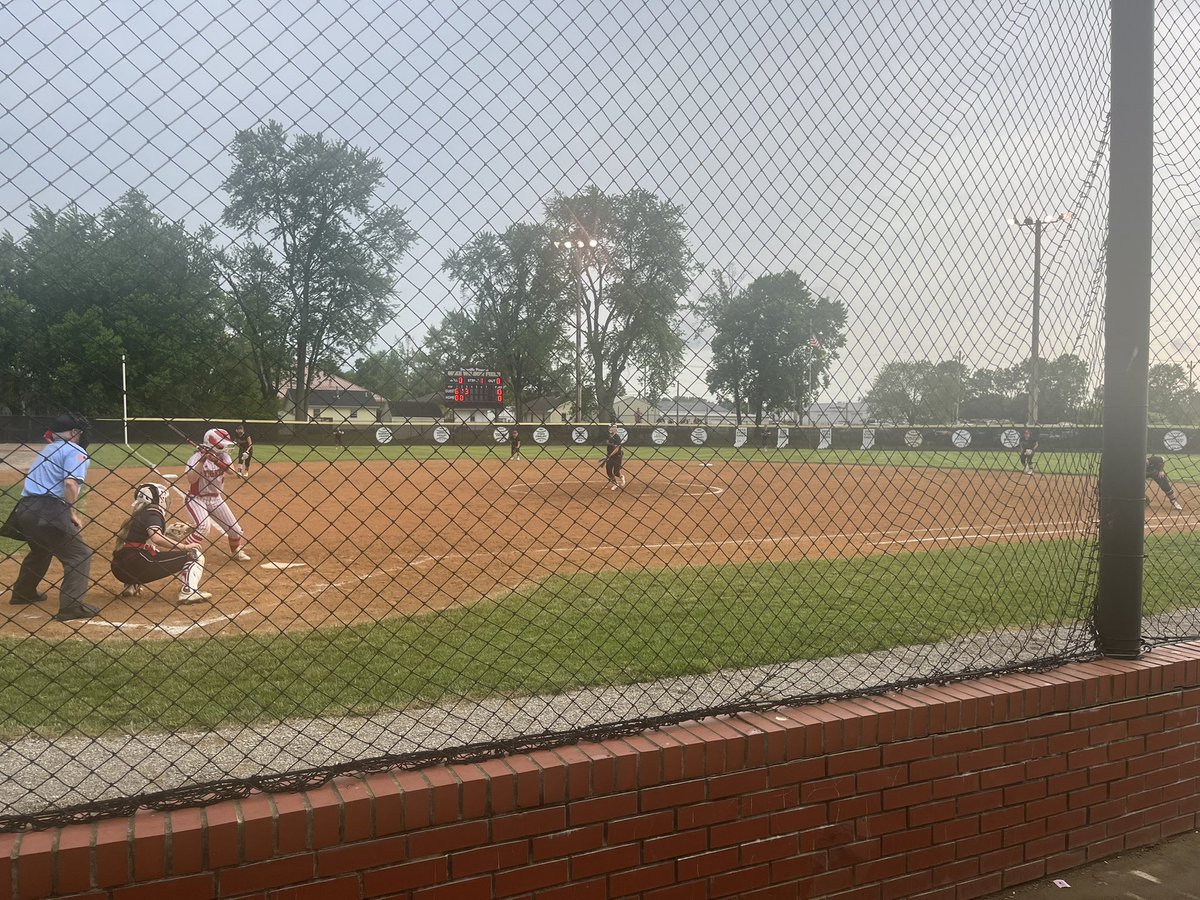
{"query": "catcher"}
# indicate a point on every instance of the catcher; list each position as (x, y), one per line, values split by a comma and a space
(146, 550)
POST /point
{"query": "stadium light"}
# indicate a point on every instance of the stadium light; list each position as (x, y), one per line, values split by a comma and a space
(577, 246)
(1037, 224)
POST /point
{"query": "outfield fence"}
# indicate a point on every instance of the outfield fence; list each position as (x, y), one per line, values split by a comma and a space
(827, 269)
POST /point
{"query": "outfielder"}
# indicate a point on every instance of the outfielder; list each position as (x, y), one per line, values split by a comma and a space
(613, 458)
(145, 552)
(205, 476)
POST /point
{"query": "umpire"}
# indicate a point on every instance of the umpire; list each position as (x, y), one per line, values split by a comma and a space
(45, 517)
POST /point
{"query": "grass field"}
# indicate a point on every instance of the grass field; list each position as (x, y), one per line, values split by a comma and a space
(563, 633)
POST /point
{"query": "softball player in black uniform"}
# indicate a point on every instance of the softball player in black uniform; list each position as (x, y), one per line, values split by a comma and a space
(514, 443)
(613, 458)
(144, 552)
(245, 445)
(1029, 445)
(1156, 471)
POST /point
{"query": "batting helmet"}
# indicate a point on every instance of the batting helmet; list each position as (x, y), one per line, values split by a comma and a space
(218, 438)
(150, 494)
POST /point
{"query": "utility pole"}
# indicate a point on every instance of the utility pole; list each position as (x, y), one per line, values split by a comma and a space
(1037, 225)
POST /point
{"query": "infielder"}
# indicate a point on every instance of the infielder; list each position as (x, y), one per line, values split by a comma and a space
(1029, 446)
(144, 552)
(1156, 471)
(514, 443)
(205, 477)
(245, 445)
(613, 458)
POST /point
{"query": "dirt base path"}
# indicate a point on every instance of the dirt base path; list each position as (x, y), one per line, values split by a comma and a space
(336, 543)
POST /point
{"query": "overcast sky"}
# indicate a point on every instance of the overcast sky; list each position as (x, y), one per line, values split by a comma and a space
(876, 148)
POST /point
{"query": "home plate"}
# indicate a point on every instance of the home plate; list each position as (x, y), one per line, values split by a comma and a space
(279, 565)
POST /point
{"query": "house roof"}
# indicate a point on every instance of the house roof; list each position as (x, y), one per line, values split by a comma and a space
(332, 390)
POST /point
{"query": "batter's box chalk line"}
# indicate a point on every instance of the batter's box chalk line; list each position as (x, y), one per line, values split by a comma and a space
(271, 564)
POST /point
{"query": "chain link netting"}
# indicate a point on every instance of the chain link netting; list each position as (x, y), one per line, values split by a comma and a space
(359, 289)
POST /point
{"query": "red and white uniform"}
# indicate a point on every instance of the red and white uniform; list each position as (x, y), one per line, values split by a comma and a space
(205, 501)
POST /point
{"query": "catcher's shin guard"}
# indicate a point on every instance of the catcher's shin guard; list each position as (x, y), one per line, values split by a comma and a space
(191, 574)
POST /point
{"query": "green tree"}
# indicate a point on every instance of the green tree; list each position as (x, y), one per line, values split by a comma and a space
(1173, 398)
(18, 349)
(632, 282)
(127, 282)
(336, 254)
(516, 310)
(773, 343)
(898, 393)
(398, 373)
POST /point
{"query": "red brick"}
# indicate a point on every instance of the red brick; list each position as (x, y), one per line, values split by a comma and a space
(907, 841)
(1023, 873)
(72, 861)
(1001, 860)
(596, 889)
(673, 846)
(472, 889)
(291, 823)
(970, 804)
(768, 801)
(739, 882)
(35, 865)
(851, 854)
(927, 813)
(855, 807)
(879, 779)
(264, 875)
(444, 798)
(601, 862)
(432, 841)
(186, 841)
(933, 767)
(908, 795)
(554, 778)
(579, 771)
(724, 810)
(639, 827)
(602, 809)
(768, 849)
(824, 789)
(492, 858)
(568, 843)
(502, 786)
(906, 751)
(189, 887)
(797, 771)
(798, 819)
(149, 846)
(406, 876)
(702, 865)
(326, 830)
(531, 878)
(725, 834)
(854, 761)
(357, 809)
(362, 855)
(954, 829)
(737, 784)
(907, 886)
(1024, 793)
(529, 781)
(344, 888)
(636, 881)
(681, 793)
(882, 823)
(112, 849)
(528, 824)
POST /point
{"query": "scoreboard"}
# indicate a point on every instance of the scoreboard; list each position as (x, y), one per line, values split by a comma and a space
(473, 387)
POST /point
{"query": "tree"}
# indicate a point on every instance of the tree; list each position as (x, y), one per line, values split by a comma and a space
(773, 343)
(898, 392)
(516, 310)
(1173, 398)
(124, 282)
(336, 254)
(398, 373)
(632, 284)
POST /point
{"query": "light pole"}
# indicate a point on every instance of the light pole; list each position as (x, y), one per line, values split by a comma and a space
(577, 245)
(1037, 225)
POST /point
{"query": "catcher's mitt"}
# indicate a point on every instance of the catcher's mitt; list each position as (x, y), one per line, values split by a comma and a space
(177, 531)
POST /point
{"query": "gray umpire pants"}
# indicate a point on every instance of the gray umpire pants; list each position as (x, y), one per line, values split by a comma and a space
(46, 523)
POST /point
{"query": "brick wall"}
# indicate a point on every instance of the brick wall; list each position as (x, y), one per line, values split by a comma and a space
(938, 792)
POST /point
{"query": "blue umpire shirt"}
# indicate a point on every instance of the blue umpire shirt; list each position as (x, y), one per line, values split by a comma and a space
(55, 464)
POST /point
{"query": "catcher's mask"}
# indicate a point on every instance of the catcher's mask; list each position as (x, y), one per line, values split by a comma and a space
(218, 439)
(150, 494)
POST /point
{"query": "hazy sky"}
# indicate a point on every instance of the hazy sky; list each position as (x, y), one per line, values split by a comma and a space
(876, 148)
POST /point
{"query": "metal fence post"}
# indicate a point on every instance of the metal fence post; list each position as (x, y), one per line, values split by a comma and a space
(1126, 331)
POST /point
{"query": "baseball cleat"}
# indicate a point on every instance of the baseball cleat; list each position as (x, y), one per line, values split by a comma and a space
(622, 481)
(242, 556)
(1177, 505)
(131, 590)
(186, 597)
